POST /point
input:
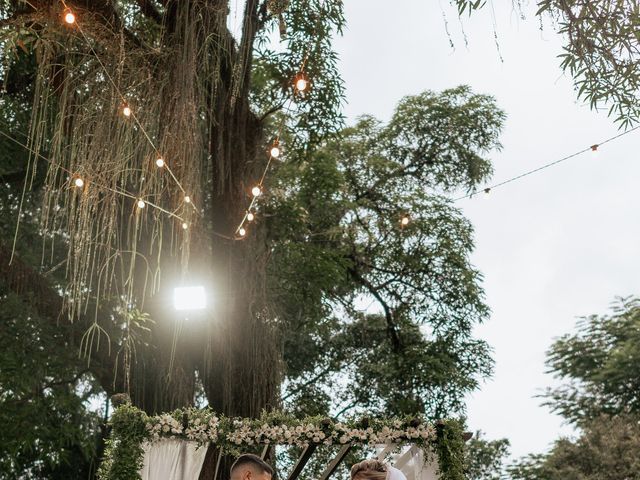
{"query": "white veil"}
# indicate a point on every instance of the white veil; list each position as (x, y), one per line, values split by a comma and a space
(410, 463)
(394, 474)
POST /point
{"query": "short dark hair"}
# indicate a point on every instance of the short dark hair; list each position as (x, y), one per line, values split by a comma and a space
(253, 460)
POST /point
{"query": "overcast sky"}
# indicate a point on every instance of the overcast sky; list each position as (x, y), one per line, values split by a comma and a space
(554, 246)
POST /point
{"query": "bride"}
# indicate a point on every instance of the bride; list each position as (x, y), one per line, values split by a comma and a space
(375, 470)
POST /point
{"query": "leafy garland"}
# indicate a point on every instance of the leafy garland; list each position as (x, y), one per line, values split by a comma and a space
(130, 427)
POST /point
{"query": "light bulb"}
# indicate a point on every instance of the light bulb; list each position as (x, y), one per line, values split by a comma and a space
(187, 199)
(141, 203)
(256, 191)
(404, 221)
(70, 18)
(185, 225)
(487, 190)
(242, 232)
(250, 217)
(301, 84)
(160, 162)
(594, 149)
(275, 151)
(126, 111)
(78, 182)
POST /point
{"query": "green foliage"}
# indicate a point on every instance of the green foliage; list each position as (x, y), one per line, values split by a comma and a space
(311, 27)
(123, 453)
(336, 237)
(601, 52)
(607, 449)
(449, 448)
(599, 365)
(485, 458)
(46, 431)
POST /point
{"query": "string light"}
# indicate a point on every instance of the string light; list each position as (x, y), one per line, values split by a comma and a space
(256, 191)
(404, 221)
(301, 82)
(593, 149)
(78, 182)
(187, 199)
(69, 17)
(185, 225)
(160, 162)
(141, 203)
(250, 217)
(275, 150)
(126, 111)
(242, 232)
(487, 190)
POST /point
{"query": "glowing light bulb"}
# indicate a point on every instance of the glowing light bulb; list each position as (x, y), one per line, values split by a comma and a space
(69, 18)
(187, 199)
(404, 221)
(160, 162)
(141, 203)
(242, 232)
(256, 191)
(275, 151)
(126, 111)
(185, 225)
(78, 182)
(250, 217)
(301, 84)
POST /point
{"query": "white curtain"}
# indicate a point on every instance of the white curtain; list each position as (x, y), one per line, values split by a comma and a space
(411, 461)
(171, 459)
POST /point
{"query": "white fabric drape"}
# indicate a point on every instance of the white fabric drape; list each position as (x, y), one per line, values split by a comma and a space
(412, 462)
(171, 459)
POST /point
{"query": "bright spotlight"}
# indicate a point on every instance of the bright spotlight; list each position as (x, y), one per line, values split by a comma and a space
(189, 298)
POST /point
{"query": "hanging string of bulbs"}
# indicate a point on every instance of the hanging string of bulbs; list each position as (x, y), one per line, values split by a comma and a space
(70, 19)
(300, 84)
(594, 149)
(405, 218)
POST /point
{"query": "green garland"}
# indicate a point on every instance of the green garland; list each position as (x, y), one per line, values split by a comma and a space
(131, 427)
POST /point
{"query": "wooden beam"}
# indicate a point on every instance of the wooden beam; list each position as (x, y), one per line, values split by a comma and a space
(265, 450)
(302, 462)
(333, 465)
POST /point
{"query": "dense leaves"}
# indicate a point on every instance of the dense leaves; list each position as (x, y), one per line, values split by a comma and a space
(601, 52)
(485, 458)
(46, 430)
(607, 449)
(338, 243)
(598, 368)
(599, 365)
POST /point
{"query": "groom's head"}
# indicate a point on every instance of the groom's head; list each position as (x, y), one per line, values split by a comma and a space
(251, 467)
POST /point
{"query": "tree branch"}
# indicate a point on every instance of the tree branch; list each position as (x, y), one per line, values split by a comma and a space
(391, 326)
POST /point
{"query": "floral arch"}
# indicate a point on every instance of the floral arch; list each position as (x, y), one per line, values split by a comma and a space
(172, 446)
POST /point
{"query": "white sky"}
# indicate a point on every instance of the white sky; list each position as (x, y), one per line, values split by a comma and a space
(553, 246)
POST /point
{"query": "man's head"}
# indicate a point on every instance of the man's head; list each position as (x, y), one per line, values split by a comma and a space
(251, 467)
